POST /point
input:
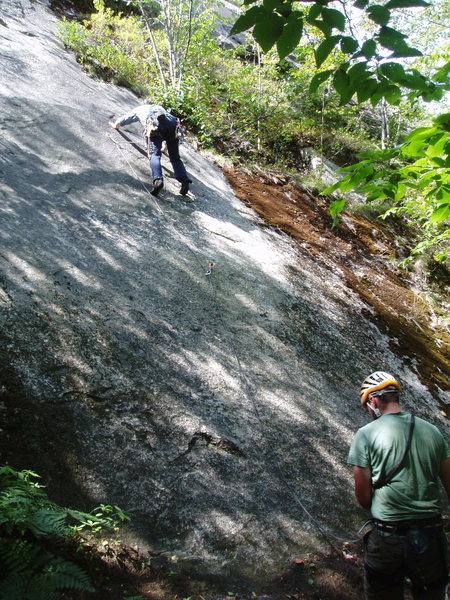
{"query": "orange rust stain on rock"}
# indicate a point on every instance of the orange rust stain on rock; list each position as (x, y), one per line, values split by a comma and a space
(361, 250)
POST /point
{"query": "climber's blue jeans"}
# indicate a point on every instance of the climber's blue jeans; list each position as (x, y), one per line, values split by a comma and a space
(166, 132)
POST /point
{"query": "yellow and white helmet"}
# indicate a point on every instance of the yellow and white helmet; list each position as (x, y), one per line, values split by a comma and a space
(377, 381)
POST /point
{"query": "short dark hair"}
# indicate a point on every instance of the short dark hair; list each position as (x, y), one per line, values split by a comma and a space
(390, 396)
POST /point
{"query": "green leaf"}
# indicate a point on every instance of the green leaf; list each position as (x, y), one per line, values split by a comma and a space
(388, 37)
(358, 71)
(334, 18)
(325, 48)
(436, 147)
(272, 5)
(395, 40)
(393, 94)
(379, 92)
(413, 149)
(330, 188)
(438, 162)
(413, 80)
(336, 207)
(379, 14)
(406, 3)
(441, 213)
(405, 51)
(421, 133)
(401, 191)
(376, 194)
(348, 45)
(341, 82)
(318, 79)
(445, 193)
(442, 74)
(428, 178)
(365, 91)
(326, 29)
(361, 4)
(369, 48)
(252, 16)
(314, 12)
(432, 93)
(292, 33)
(354, 179)
(267, 31)
(443, 121)
(393, 71)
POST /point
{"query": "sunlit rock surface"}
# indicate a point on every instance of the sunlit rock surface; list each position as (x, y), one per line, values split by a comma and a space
(216, 408)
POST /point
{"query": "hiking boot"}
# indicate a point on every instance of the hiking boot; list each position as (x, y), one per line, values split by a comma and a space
(157, 187)
(185, 187)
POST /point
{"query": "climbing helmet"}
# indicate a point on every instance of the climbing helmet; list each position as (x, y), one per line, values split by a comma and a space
(377, 381)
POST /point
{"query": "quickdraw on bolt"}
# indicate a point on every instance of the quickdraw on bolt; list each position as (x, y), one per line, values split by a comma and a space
(210, 268)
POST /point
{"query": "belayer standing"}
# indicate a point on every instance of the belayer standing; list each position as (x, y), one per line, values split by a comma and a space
(397, 462)
(159, 126)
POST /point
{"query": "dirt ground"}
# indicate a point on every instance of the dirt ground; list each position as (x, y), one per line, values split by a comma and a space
(126, 573)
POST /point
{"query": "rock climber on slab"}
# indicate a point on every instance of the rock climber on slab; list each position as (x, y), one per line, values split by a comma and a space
(159, 126)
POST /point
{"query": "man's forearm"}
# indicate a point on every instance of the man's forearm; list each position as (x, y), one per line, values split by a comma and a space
(130, 117)
(363, 486)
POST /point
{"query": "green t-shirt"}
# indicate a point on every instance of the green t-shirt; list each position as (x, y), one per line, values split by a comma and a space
(413, 493)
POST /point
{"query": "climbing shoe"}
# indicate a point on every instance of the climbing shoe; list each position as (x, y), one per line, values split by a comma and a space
(157, 187)
(185, 187)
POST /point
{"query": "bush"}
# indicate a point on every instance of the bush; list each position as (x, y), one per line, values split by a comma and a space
(27, 519)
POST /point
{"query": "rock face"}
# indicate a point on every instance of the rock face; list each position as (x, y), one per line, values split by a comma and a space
(214, 402)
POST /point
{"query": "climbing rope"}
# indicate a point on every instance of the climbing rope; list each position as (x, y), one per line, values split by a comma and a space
(328, 535)
(249, 392)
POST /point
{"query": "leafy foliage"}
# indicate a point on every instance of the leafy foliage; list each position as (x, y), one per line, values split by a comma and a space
(362, 65)
(245, 108)
(113, 46)
(415, 177)
(27, 518)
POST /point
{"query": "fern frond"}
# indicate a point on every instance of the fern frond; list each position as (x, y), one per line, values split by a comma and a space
(37, 575)
(59, 575)
(13, 587)
(51, 519)
(27, 515)
(16, 555)
(67, 575)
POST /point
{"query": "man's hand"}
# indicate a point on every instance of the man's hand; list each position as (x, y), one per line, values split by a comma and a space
(362, 477)
(114, 125)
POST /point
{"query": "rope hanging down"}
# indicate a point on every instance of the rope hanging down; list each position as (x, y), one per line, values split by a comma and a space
(328, 535)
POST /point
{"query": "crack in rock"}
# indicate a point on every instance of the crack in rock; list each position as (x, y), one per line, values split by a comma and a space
(206, 439)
